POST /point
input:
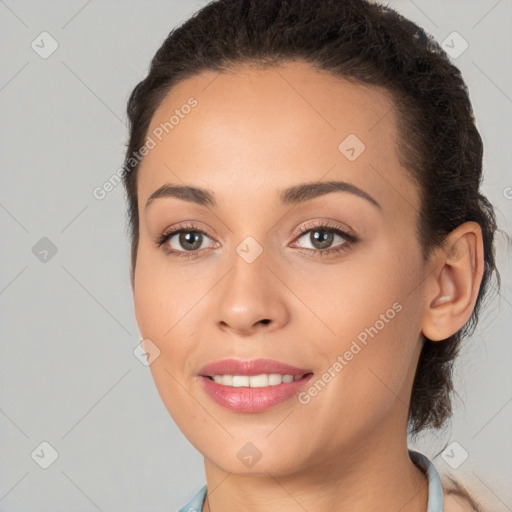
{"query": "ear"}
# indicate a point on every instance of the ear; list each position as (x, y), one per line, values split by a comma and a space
(453, 283)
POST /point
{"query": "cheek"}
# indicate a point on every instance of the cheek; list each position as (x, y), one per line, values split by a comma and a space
(161, 312)
(162, 294)
(359, 291)
(169, 302)
(158, 310)
(374, 313)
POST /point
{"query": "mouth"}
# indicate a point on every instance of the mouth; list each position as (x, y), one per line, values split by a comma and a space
(252, 386)
(255, 381)
(253, 393)
(234, 372)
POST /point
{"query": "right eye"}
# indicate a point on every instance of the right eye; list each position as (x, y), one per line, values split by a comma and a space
(190, 238)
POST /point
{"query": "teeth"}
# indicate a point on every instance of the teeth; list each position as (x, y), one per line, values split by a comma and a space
(227, 380)
(254, 381)
(239, 381)
(274, 378)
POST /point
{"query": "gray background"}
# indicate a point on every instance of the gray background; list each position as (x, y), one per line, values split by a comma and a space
(68, 373)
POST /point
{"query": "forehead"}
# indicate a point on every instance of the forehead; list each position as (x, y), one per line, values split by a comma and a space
(266, 128)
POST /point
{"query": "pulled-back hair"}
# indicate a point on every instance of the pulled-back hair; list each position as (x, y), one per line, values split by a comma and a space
(362, 42)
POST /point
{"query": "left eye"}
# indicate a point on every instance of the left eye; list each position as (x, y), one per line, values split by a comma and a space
(322, 237)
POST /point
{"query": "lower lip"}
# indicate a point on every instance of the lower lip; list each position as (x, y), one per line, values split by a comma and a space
(245, 399)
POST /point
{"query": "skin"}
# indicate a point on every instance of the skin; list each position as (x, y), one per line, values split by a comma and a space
(253, 133)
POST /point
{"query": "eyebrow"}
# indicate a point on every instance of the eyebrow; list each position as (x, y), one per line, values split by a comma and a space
(290, 196)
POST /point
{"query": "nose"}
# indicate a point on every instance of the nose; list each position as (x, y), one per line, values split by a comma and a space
(251, 298)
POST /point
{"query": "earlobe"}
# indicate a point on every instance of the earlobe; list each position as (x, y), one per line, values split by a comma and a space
(452, 287)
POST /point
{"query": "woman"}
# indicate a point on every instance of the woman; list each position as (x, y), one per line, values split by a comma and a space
(309, 249)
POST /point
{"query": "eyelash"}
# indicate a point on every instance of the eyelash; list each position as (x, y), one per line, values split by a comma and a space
(350, 240)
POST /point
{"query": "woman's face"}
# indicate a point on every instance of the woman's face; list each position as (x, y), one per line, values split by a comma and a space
(267, 279)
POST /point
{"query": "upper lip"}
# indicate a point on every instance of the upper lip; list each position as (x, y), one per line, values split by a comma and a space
(251, 367)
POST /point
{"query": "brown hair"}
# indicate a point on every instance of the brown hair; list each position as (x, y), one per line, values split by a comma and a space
(366, 43)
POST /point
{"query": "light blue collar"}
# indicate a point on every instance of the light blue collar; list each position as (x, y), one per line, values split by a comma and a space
(435, 487)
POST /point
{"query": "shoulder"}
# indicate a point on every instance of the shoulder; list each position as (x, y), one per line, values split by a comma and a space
(458, 499)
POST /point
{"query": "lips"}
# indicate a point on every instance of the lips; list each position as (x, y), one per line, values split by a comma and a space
(245, 399)
(252, 367)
